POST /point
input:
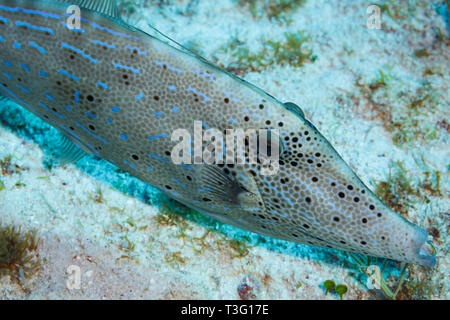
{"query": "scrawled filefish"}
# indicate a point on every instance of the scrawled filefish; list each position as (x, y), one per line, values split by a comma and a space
(120, 93)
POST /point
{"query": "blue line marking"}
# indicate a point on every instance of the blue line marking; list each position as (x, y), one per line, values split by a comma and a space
(3, 19)
(73, 28)
(158, 114)
(24, 89)
(159, 158)
(49, 97)
(94, 135)
(30, 26)
(101, 43)
(77, 18)
(130, 164)
(36, 46)
(115, 109)
(205, 98)
(158, 63)
(29, 11)
(118, 65)
(55, 113)
(144, 52)
(7, 63)
(77, 96)
(124, 137)
(8, 75)
(2, 39)
(17, 45)
(181, 184)
(103, 85)
(157, 137)
(91, 115)
(186, 167)
(70, 131)
(81, 52)
(96, 26)
(64, 72)
(23, 65)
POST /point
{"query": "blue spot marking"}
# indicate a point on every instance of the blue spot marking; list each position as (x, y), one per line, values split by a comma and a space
(109, 120)
(157, 137)
(7, 63)
(30, 26)
(101, 43)
(55, 113)
(174, 109)
(149, 168)
(68, 108)
(8, 75)
(186, 167)
(43, 74)
(2, 39)
(115, 109)
(159, 158)
(4, 20)
(49, 97)
(140, 96)
(158, 114)
(232, 120)
(36, 46)
(121, 66)
(91, 115)
(94, 135)
(124, 137)
(24, 89)
(172, 88)
(23, 65)
(71, 76)
(30, 11)
(81, 52)
(103, 85)
(17, 45)
(130, 164)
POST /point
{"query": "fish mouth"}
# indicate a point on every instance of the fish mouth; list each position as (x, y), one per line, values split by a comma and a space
(425, 251)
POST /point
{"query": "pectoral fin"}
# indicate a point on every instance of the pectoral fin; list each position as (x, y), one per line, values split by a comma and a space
(226, 191)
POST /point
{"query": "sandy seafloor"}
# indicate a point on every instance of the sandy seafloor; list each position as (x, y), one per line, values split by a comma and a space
(131, 244)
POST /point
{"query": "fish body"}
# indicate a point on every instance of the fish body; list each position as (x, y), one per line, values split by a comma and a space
(120, 93)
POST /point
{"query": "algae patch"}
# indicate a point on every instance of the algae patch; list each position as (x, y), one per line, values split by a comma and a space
(18, 252)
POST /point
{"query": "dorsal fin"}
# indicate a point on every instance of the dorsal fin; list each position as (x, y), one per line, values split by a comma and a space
(106, 7)
(294, 108)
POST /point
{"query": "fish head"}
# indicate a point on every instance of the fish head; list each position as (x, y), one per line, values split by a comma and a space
(314, 197)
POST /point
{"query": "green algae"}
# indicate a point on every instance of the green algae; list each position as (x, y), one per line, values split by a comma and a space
(18, 252)
(292, 51)
(280, 10)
